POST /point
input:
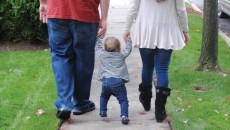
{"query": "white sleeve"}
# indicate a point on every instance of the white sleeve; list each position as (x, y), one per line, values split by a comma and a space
(182, 14)
(132, 14)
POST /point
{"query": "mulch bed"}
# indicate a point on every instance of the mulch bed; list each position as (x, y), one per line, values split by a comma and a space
(13, 46)
(192, 11)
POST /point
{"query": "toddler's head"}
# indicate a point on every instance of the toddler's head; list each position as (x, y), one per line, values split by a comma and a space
(112, 44)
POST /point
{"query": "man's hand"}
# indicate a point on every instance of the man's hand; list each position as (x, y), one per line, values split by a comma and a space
(186, 36)
(126, 36)
(104, 4)
(43, 10)
(102, 28)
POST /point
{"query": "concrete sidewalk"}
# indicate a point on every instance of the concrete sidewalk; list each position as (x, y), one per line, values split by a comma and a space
(139, 119)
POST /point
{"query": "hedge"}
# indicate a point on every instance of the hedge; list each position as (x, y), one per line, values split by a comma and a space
(19, 20)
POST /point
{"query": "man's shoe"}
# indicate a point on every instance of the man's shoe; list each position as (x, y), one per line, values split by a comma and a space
(103, 114)
(85, 109)
(63, 115)
(124, 120)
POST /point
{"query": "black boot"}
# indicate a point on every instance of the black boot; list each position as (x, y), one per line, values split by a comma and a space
(145, 97)
(161, 99)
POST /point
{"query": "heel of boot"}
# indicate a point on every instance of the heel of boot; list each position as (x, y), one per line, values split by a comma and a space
(145, 97)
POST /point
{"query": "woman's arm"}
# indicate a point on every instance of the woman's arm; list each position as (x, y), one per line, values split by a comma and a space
(182, 14)
(131, 15)
(183, 18)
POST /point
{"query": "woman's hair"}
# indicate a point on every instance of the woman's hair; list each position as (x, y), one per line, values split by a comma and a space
(160, 0)
(112, 44)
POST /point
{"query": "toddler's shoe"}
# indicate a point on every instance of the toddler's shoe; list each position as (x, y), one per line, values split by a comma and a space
(124, 120)
(103, 114)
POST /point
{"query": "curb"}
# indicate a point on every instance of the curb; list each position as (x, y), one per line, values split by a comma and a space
(221, 33)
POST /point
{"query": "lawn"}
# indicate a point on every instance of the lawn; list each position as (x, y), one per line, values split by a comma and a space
(27, 84)
(200, 100)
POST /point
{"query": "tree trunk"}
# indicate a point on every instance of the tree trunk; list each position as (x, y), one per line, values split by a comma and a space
(208, 60)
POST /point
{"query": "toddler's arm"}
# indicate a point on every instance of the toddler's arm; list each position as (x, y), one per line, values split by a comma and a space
(99, 47)
(128, 48)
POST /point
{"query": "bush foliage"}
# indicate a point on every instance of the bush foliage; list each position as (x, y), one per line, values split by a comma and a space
(19, 20)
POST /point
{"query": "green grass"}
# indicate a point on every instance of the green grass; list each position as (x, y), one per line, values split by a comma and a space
(27, 84)
(202, 110)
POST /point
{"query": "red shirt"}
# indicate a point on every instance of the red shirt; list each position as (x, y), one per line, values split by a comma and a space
(82, 10)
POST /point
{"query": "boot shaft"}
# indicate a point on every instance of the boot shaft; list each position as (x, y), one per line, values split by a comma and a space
(160, 102)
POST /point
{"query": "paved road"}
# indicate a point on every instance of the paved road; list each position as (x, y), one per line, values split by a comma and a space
(224, 23)
(199, 3)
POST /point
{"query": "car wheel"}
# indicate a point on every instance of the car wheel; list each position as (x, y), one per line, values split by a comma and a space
(222, 14)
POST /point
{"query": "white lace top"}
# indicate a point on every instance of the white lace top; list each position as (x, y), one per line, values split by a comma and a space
(158, 24)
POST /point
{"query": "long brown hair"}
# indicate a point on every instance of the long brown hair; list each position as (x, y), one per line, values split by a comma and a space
(160, 0)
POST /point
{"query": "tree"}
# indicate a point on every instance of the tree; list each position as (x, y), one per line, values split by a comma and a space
(209, 51)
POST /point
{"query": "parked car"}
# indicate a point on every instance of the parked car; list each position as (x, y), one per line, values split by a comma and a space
(223, 8)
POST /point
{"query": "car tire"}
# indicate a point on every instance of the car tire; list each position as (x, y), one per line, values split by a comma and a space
(222, 15)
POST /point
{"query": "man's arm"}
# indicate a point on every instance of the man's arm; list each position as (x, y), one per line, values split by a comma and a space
(43, 10)
(104, 4)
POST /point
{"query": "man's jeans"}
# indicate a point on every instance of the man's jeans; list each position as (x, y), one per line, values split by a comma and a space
(72, 50)
(158, 58)
(115, 87)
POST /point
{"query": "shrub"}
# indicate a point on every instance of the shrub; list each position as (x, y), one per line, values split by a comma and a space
(19, 20)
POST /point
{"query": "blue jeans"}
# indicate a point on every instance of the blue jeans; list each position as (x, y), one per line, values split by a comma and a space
(115, 87)
(158, 59)
(72, 50)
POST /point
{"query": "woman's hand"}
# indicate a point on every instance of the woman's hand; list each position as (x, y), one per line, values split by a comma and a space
(126, 36)
(186, 36)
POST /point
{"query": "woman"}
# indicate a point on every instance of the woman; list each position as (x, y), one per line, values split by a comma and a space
(161, 26)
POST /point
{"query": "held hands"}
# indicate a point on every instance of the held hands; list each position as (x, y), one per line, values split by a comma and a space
(126, 36)
(102, 28)
(43, 11)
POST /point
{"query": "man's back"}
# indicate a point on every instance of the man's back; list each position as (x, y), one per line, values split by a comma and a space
(81, 10)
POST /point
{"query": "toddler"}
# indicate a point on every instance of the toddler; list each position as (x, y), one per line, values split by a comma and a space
(114, 74)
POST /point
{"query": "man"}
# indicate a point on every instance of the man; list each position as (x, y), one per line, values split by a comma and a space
(73, 27)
